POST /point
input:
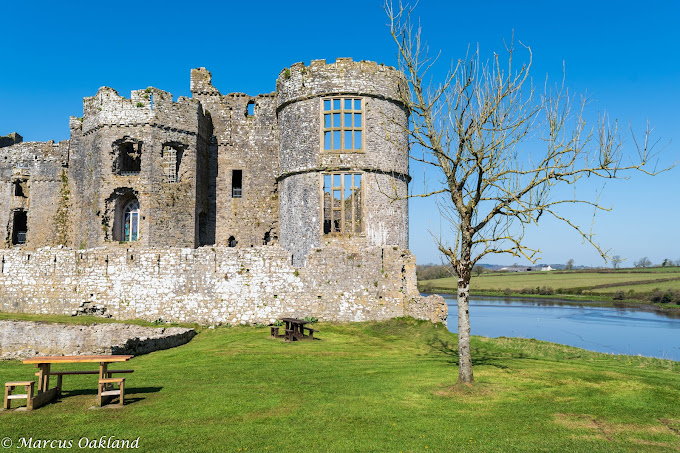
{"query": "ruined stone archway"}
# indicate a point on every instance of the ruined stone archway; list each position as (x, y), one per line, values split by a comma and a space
(122, 209)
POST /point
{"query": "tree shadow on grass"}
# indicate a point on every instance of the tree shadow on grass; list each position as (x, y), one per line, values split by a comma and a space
(479, 356)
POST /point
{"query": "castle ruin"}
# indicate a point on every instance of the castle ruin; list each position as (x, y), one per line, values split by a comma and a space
(219, 208)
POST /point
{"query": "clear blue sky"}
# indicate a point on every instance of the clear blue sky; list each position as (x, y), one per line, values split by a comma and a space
(624, 53)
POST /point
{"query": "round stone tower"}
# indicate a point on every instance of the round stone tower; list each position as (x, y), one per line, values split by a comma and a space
(343, 156)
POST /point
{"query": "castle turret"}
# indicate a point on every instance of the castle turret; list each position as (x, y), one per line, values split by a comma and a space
(343, 156)
(138, 169)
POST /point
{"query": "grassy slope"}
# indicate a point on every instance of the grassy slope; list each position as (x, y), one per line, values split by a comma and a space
(371, 387)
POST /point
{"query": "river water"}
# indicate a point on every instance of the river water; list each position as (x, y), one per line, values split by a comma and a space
(583, 325)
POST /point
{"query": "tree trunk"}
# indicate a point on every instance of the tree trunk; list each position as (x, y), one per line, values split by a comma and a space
(464, 353)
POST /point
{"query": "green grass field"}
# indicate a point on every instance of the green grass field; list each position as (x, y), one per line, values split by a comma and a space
(644, 288)
(604, 283)
(379, 386)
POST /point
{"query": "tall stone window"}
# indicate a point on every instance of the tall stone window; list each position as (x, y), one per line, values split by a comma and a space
(131, 221)
(19, 227)
(20, 188)
(342, 211)
(343, 124)
(237, 183)
(127, 156)
(172, 157)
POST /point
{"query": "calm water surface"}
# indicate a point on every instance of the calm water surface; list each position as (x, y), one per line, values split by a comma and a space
(602, 329)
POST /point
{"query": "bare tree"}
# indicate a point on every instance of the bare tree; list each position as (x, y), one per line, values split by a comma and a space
(570, 264)
(616, 261)
(499, 149)
(643, 262)
(478, 270)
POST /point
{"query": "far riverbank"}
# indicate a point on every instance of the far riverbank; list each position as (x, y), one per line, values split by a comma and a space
(597, 301)
(658, 287)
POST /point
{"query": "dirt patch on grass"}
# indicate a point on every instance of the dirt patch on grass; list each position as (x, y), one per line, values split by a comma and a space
(673, 425)
(466, 391)
(583, 421)
(628, 432)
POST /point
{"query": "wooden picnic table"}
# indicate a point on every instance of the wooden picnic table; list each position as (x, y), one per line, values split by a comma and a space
(296, 327)
(45, 394)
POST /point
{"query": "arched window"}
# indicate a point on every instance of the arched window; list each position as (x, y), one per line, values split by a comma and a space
(131, 221)
(232, 241)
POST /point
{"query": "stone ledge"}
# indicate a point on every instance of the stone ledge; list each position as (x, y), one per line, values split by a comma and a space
(23, 339)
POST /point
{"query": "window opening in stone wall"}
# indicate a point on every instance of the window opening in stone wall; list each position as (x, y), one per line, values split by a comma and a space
(128, 160)
(232, 241)
(131, 221)
(20, 189)
(342, 203)
(172, 157)
(343, 124)
(236, 183)
(19, 227)
(250, 109)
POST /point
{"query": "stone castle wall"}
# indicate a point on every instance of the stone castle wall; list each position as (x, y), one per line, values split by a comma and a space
(150, 118)
(245, 142)
(10, 139)
(275, 250)
(39, 168)
(213, 285)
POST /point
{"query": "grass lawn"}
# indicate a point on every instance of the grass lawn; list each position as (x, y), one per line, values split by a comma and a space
(381, 386)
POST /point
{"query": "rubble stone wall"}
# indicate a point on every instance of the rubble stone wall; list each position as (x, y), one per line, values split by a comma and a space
(24, 339)
(214, 285)
(246, 140)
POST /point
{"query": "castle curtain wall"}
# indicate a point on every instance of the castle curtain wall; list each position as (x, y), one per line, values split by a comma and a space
(241, 175)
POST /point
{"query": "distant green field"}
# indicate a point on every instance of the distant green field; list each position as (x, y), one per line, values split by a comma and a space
(638, 284)
(645, 288)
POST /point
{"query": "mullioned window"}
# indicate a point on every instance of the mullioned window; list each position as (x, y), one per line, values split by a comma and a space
(342, 211)
(343, 124)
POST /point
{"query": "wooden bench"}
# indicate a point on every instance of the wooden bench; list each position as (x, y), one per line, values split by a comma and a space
(311, 332)
(9, 388)
(275, 331)
(290, 335)
(103, 391)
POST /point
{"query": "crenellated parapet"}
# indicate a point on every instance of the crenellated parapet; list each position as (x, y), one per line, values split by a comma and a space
(344, 76)
(151, 106)
(30, 154)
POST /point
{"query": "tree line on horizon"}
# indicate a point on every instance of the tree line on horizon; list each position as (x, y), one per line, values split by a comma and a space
(433, 271)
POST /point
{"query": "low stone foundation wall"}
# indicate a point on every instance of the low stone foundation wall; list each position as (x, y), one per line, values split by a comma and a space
(216, 285)
(23, 339)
